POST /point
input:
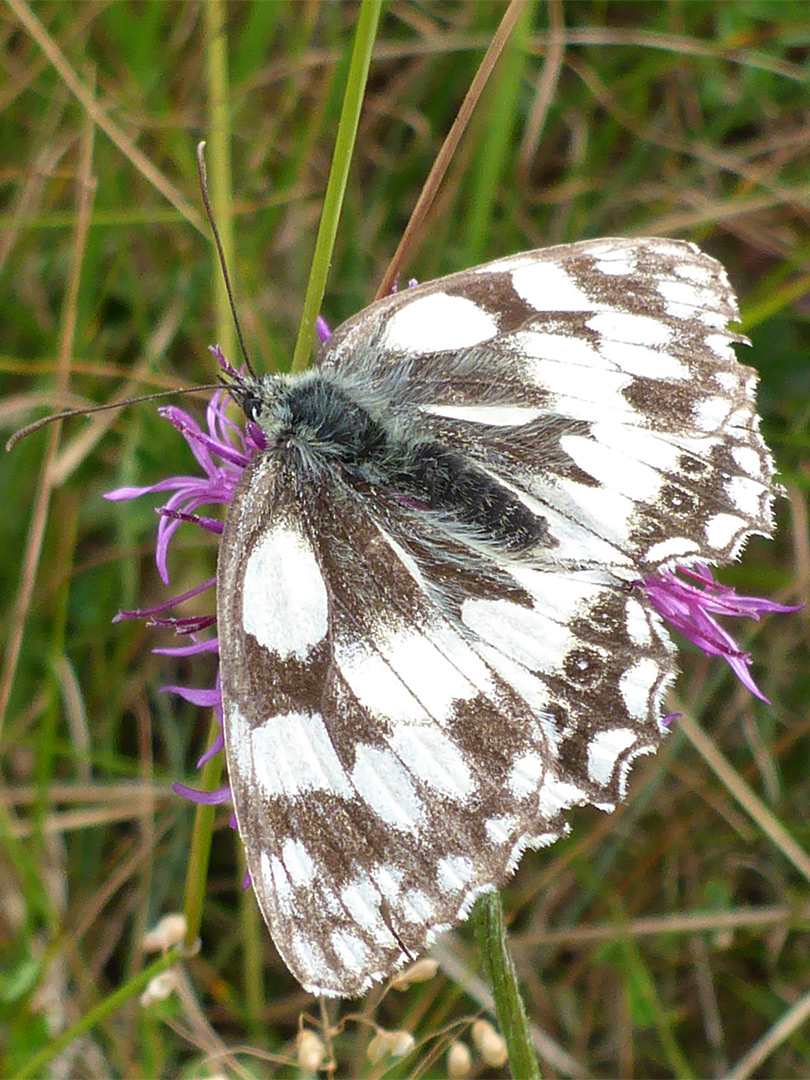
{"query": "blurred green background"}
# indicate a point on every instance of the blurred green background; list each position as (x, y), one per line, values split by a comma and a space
(667, 939)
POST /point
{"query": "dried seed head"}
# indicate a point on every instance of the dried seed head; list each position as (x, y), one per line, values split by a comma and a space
(402, 1042)
(395, 1043)
(311, 1052)
(169, 931)
(159, 988)
(459, 1061)
(490, 1043)
(422, 971)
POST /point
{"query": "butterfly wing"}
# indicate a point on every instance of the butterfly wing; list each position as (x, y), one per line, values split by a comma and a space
(401, 720)
(595, 379)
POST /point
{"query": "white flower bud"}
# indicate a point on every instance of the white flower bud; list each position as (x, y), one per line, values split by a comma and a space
(377, 1047)
(395, 1043)
(169, 931)
(491, 1045)
(402, 1042)
(459, 1061)
(311, 1052)
(421, 971)
(159, 988)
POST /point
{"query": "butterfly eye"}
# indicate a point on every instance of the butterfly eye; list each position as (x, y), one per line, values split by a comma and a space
(251, 406)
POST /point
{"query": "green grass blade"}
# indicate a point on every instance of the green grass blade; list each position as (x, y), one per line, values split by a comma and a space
(336, 186)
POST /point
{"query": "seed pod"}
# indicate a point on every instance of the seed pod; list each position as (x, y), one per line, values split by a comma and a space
(422, 971)
(170, 931)
(459, 1061)
(311, 1052)
(490, 1043)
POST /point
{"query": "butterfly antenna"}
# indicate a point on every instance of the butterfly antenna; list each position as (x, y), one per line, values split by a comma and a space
(221, 253)
(29, 429)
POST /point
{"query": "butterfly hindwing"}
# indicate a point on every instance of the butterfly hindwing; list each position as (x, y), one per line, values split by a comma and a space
(389, 760)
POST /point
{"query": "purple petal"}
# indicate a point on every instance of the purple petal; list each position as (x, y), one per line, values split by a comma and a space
(195, 694)
(209, 524)
(201, 443)
(191, 625)
(145, 613)
(219, 356)
(192, 433)
(216, 746)
(256, 435)
(172, 483)
(210, 645)
(690, 609)
(203, 798)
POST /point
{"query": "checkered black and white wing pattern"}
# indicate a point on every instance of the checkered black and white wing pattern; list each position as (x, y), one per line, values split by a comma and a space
(432, 641)
(395, 741)
(596, 379)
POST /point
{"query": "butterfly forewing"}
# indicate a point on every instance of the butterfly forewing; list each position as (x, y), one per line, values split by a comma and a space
(622, 349)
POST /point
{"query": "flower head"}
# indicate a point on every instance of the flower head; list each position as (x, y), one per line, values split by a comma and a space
(222, 451)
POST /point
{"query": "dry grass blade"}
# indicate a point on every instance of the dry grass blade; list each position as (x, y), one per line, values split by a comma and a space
(449, 147)
(745, 796)
(99, 116)
(45, 487)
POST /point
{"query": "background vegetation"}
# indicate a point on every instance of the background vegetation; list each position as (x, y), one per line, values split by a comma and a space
(668, 939)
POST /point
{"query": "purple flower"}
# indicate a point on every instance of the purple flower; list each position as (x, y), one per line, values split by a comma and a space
(222, 452)
(690, 609)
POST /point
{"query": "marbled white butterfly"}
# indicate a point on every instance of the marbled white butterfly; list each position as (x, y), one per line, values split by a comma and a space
(430, 637)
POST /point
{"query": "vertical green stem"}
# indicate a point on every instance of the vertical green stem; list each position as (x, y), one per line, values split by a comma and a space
(253, 933)
(500, 971)
(197, 872)
(219, 170)
(338, 175)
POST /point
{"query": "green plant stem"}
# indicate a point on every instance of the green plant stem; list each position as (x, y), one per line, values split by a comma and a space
(219, 176)
(36, 1065)
(253, 933)
(336, 186)
(197, 872)
(500, 971)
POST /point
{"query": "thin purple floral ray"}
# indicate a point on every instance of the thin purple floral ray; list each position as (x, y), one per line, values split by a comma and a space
(690, 609)
(216, 747)
(145, 613)
(197, 695)
(203, 798)
(218, 744)
(209, 524)
(209, 645)
(202, 444)
(192, 624)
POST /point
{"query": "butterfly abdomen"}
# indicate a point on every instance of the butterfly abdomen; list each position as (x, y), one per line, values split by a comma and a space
(443, 480)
